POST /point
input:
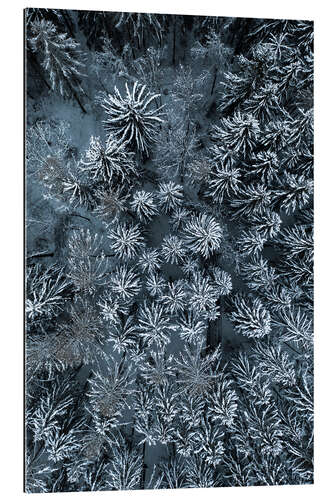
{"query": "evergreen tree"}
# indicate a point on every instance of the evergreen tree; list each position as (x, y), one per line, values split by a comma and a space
(250, 317)
(131, 119)
(61, 58)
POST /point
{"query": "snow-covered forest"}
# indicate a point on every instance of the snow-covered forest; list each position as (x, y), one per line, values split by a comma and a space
(169, 251)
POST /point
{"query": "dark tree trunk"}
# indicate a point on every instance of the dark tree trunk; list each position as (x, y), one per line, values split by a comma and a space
(37, 67)
(182, 164)
(144, 467)
(214, 80)
(76, 97)
(174, 41)
(211, 338)
(39, 255)
(244, 29)
(68, 22)
(130, 41)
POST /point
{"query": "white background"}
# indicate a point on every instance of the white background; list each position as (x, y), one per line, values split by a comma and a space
(11, 243)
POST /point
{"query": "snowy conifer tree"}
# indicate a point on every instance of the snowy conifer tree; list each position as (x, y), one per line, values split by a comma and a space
(61, 58)
(203, 235)
(126, 240)
(250, 317)
(110, 164)
(131, 118)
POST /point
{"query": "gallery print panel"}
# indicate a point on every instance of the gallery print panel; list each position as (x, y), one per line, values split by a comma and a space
(169, 251)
